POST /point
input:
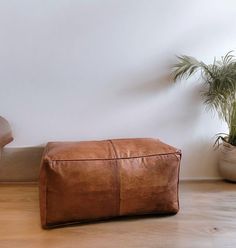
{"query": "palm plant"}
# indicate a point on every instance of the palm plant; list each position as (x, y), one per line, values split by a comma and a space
(219, 79)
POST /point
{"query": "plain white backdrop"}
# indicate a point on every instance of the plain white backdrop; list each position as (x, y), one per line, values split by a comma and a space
(97, 69)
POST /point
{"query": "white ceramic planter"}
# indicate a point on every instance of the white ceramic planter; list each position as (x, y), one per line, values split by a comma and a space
(227, 161)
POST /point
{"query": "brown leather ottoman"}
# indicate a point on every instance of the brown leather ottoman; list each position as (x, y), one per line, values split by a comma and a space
(95, 180)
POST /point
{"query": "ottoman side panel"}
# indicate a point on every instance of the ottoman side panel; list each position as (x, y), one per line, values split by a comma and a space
(80, 191)
(149, 185)
(43, 191)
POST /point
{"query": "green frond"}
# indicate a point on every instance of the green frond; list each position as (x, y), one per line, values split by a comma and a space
(185, 67)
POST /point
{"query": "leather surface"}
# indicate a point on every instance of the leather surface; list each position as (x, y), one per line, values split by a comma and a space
(93, 180)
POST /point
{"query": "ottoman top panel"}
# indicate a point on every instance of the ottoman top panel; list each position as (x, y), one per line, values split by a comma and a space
(104, 149)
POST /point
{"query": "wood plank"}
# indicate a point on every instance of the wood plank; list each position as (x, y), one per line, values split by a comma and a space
(207, 219)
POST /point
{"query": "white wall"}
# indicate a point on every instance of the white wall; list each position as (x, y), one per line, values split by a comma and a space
(96, 69)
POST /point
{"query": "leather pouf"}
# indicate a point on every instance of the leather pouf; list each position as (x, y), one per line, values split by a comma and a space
(96, 180)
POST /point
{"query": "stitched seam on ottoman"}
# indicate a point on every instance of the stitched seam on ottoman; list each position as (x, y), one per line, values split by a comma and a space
(45, 186)
(179, 158)
(117, 158)
(117, 176)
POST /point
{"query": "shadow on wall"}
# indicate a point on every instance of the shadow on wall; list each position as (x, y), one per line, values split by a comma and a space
(157, 85)
(179, 113)
(171, 111)
(177, 119)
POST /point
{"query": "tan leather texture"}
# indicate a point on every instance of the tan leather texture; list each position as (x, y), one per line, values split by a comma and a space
(96, 180)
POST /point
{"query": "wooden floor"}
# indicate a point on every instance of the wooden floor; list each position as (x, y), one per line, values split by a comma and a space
(207, 219)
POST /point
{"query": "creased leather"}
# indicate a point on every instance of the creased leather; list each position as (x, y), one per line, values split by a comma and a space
(95, 180)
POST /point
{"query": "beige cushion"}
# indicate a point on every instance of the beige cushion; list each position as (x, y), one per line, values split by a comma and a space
(5, 132)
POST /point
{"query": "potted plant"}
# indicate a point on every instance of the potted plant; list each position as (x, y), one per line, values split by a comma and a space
(219, 79)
